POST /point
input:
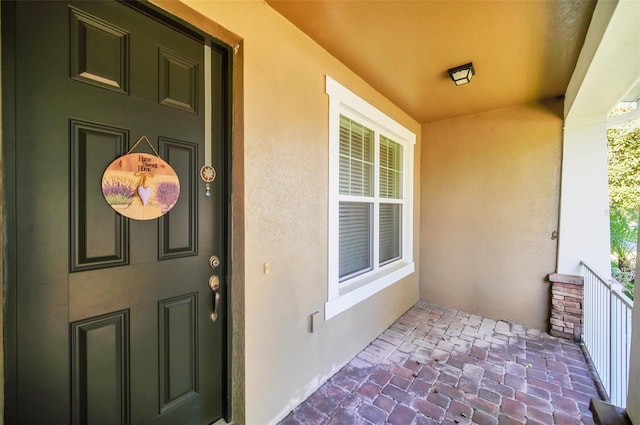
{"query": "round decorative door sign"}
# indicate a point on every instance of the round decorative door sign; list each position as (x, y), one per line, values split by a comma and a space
(140, 186)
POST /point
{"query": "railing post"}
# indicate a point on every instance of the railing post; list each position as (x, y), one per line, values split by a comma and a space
(612, 330)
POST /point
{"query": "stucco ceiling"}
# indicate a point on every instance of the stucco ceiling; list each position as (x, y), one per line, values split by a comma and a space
(522, 50)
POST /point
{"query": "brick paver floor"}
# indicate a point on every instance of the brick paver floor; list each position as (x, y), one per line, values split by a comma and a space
(441, 366)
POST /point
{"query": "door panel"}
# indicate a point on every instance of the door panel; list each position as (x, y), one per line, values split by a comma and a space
(99, 238)
(99, 52)
(99, 370)
(178, 231)
(178, 350)
(113, 315)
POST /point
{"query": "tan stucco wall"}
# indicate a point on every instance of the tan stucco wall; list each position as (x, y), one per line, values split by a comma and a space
(490, 189)
(285, 213)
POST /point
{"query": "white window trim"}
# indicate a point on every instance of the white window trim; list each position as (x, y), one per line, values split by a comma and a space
(343, 296)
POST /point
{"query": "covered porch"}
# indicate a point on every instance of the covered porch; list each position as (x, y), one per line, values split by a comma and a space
(503, 195)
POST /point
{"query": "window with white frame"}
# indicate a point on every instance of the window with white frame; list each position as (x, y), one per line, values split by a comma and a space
(370, 200)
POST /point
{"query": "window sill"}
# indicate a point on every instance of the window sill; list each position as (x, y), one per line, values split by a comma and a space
(364, 288)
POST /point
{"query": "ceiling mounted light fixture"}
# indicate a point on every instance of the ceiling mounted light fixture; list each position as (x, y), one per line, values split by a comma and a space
(462, 74)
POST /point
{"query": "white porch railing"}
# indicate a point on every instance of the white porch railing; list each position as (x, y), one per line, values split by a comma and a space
(607, 333)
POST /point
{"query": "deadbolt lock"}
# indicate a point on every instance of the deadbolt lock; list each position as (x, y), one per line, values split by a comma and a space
(214, 261)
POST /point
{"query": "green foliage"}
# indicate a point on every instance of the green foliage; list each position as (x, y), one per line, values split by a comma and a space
(624, 168)
(624, 235)
(625, 277)
(624, 201)
(629, 288)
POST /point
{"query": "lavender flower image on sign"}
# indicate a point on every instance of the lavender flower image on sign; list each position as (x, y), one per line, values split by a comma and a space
(118, 191)
(140, 186)
(167, 194)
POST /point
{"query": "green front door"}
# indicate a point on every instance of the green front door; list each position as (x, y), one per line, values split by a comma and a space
(110, 319)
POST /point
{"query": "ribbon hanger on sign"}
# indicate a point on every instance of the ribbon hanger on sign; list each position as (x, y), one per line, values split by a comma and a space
(144, 191)
(143, 138)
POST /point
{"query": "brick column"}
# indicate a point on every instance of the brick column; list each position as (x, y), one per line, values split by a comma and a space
(567, 295)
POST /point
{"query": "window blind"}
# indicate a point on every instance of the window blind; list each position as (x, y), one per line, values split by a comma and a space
(390, 232)
(356, 158)
(390, 168)
(355, 238)
(356, 218)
